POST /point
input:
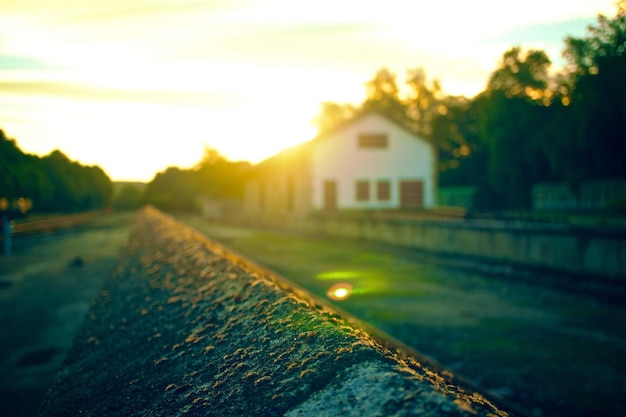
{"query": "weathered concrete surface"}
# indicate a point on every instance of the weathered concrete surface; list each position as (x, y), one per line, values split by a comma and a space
(578, 251)
(181, 330)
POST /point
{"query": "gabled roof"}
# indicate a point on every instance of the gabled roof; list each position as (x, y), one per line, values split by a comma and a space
(305, 146)
(402, 124)
(283, 156)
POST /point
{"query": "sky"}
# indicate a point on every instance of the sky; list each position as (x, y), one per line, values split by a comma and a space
(136, 86)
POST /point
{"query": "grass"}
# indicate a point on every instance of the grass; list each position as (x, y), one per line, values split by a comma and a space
(544, 349)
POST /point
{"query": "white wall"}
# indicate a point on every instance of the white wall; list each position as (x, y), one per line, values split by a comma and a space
(339, 158)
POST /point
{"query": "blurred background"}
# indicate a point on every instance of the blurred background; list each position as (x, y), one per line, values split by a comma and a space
(451, 173)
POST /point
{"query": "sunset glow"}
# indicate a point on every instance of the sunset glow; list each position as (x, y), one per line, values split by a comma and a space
(138, 86)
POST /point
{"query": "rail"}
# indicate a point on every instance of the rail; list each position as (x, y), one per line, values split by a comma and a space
(52, 223)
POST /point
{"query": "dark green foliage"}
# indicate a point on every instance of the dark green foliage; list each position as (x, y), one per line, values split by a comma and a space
(213, 177)
(462, 154)
(218, 177)
(382, 95)
(331, 115)
(596, 119)
(128, 196)
(53, 183)
(570, 127)
(174, 189)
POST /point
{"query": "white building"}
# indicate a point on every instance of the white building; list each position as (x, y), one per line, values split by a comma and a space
(369, 162)
(372, 163)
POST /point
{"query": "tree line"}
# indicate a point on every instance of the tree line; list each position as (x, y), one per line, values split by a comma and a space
(529, 125)
(54, 183)
(214, 177)
(179, 189)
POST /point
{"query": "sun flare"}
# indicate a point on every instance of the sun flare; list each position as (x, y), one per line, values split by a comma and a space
(340, 291)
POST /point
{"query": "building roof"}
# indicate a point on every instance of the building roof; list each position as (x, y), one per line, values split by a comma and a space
(284, 156)
(402, 124)
(304, 147)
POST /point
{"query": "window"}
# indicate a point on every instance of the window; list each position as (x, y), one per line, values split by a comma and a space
(362, 190)
(383, 190)
(373, 141)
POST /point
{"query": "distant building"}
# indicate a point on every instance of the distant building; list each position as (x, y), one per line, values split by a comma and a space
(368, 162)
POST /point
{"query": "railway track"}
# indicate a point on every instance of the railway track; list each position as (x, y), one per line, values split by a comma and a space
(52, 223)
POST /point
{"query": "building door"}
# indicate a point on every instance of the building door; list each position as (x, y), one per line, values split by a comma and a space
(330, 196)
(411, 194)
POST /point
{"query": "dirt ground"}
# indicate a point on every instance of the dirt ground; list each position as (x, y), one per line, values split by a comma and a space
(46, 288)
(550, 347)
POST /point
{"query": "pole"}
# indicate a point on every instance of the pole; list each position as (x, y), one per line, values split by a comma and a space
(7, 232)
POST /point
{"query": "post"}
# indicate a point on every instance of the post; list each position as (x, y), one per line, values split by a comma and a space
(9, 211)
(7, 234)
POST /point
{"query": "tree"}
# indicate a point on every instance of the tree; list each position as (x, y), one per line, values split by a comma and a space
(75, 187)
(217, 177)
(54, 182)
(175, 189)
(511, 117)
(382, 94)
(11, 159)
(210, 157)
(425, 102)
(213, 176)
(522, 74)
(462, 153)
(129, 197)
(332, 115)
(594, 119)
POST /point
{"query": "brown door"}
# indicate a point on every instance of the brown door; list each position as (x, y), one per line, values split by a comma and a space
(330, 195)
(411, 194)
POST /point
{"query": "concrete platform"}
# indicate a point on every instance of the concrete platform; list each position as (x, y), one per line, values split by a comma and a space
(181, 328)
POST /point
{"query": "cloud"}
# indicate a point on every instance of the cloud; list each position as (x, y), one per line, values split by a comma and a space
(17, 62)
(93, 93)
(554, 32)
(202, 67)
(344, 34)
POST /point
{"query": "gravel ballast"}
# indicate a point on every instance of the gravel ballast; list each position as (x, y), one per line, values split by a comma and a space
(182, 328)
